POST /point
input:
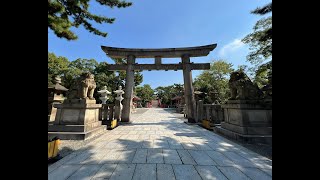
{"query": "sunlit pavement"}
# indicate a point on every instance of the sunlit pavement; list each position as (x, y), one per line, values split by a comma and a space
(159, 145)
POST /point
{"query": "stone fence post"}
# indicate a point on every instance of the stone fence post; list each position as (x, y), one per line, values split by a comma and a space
(199, 111)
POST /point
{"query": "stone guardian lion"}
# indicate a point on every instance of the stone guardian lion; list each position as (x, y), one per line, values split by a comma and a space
(242, 88)
(83, 88)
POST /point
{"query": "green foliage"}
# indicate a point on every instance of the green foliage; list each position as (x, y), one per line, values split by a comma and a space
(263, 10)
(250, 71)
(260, 41)
(144, 92)
(163, 92)
(103, 77)
(84, 65)
(262, 73)
(64, 14)
(69, 71)
(75, 68)
(214, 81)
(166, 93)
(138, 78)
(177, 90)
(220, 69)
(57, 66)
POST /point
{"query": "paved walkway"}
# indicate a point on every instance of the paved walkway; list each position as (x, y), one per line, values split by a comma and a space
(158, 145)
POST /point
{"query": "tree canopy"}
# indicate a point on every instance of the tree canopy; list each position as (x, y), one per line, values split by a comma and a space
(138, 78)
(144, 92)
(57, 66)
(260, 41)
(166, 93)
(64, 14)
(70, 70)
(214, 82)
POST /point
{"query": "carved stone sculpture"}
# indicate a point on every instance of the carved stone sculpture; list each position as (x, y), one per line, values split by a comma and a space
(242, 87)
(83, 87)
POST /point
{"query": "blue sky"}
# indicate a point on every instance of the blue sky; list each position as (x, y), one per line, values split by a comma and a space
(167, 24)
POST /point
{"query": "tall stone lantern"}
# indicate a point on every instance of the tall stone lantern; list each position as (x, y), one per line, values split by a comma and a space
(104, 94)
(55, 96)
(118, 105)
(215, 97)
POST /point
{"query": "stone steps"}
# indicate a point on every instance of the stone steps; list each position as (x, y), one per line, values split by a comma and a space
(74, 128)
(77, 135)
(264, 139)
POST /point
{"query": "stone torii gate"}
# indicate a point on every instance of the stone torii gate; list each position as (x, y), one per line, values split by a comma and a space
(185, 65)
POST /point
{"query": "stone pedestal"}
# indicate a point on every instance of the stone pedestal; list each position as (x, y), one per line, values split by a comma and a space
(247, 120)
(53, 111)
(52, 101)
(117, 110)
(76, 120)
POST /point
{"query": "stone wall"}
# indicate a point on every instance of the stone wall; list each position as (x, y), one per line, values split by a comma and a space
(212, 112)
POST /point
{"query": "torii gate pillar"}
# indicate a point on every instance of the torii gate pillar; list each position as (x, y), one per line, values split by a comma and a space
(188, 88)
(128, 89)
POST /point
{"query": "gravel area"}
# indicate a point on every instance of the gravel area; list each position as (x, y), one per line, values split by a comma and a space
(66, 147)
(263, 150)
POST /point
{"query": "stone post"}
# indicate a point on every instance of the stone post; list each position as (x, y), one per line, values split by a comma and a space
(128, 89)
(188, 88)
(199, 110)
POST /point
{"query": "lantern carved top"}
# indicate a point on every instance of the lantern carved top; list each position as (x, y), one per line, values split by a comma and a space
(104, 91)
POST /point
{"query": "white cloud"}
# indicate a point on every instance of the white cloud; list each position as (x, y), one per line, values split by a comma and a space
(231, 47)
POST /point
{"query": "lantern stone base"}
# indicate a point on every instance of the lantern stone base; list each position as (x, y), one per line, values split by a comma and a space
(76, 120)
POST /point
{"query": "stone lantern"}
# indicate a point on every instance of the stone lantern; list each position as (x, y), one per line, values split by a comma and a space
(55, 96)
(118, 105)
(104, 94)
(199, 95)
(215, 97)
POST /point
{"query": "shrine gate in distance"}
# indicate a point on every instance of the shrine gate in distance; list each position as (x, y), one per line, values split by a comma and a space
(184, 53)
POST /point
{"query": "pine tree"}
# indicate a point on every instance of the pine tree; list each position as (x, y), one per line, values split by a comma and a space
(260, 41)
(64, 14)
